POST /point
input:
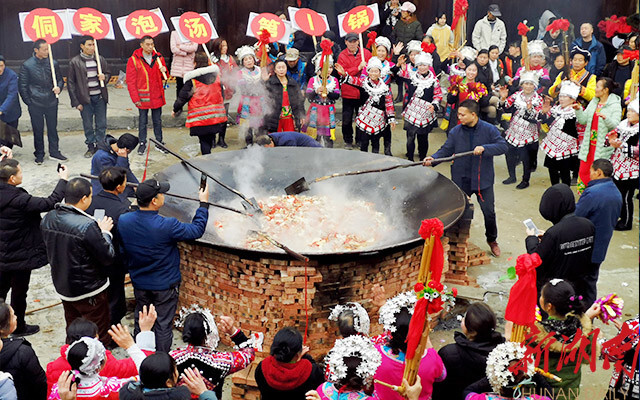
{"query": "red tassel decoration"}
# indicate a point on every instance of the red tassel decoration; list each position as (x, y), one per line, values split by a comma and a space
(416, 327)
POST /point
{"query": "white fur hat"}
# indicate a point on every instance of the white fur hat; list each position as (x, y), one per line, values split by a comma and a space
(633, 106)
(536, 47)
(569, 89)
(423, 58)
(244, 51)
(374, 62)
(414, 45)
(469, 53)
(529, 76)
(384, 42)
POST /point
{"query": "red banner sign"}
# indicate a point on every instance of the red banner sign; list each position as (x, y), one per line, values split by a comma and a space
(195, 28)
(310, 22)
(358, 19)
(272, 23)
(43, 23)
(143, 22)
(88, 21)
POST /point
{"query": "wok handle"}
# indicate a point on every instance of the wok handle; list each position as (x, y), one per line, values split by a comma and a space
(178, 196)
(413, 164)
(451, 158)
(189, 163)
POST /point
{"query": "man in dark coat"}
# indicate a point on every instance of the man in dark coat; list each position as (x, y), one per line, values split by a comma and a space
(566, 247)
(290, 139)
(474, 174)
(80, 250)
(601, 203)
(39, 94)
(114, 182)
(21, 246)
(114, 152)
(150, 246)
(10, 110)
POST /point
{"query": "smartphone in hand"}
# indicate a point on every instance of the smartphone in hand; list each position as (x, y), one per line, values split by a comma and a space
(203, 181)
(59, 167)
(530, 225)
(99, 214)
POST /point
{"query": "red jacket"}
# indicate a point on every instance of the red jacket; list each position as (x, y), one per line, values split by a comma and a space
(144, 81)
(113, 367)
(350, 62)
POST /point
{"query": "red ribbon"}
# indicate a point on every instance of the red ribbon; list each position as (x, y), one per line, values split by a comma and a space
(263, 41)
(325, 45)
(428, 47)
(523, 297)
(372, 39)
(630, 54)
(416, 327)
(434, 227)
(614, 25)
(460, 8)
(559, 25)
(523, 29)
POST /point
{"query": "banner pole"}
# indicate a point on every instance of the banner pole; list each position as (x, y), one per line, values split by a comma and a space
(361, 47)
(98, 62)
(53, 70)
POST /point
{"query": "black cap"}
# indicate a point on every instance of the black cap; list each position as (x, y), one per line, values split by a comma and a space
(351, 37)
(149, 189)
(127, 141)
(622, 49)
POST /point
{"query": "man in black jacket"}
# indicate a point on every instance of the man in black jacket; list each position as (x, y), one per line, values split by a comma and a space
(566, 247)
(21, 246)
(114, 182)
(112, 152)
(39, 93)
(79, 250)
(87, 95)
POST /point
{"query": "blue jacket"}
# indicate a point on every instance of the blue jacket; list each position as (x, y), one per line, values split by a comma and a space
(598, 58)
(463, 138)
(298, 73)
(600, 202)
(293, 139)
(150, 246)
(104, 158)
(9, 102)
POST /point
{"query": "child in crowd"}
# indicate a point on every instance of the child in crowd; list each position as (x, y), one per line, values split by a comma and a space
(87, 356)
(251, 94)
(228, 70)
(557, 67)
(506, 385)
(466, 359)
(159, 381)
(624, 384)
(522, 133)
(289, 372)
(567, 318)
(425, 95)
(537, 63)
(625, 162)
(561, 142)
(377, 114)
(389, 69)
(200, 332)
(395, 316)
(321, 116)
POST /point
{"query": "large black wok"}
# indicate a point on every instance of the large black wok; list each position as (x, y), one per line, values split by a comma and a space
(407, 196)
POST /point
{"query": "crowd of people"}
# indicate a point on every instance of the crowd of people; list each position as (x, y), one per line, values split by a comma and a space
(494, 102)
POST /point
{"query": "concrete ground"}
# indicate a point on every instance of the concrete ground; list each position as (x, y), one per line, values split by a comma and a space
(619, 273)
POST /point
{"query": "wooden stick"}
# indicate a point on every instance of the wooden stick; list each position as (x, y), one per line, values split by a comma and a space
(95, 42)
(53, 71)
(361, 47)
(425, 262)
(548, 374)
(206, 51)
(385, 384)
(164, 74)
(315, 42)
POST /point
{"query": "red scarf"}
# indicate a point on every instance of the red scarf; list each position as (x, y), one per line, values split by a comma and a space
(285, 376)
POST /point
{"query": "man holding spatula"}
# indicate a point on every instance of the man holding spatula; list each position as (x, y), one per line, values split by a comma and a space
(474, 175)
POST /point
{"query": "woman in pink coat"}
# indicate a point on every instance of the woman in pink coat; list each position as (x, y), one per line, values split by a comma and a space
(183, 55)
